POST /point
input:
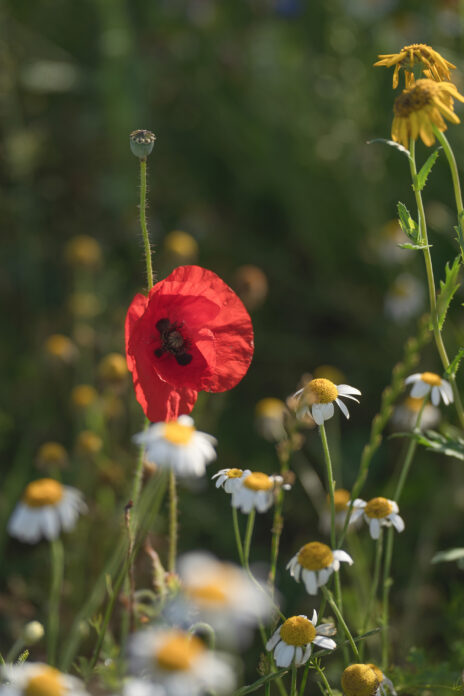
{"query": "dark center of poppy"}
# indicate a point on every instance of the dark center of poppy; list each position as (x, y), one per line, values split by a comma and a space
(172, 341)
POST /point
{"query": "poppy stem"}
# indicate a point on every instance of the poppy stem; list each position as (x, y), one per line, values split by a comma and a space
(57, 567)
(143, 221)
(172, 522)
(431, 282)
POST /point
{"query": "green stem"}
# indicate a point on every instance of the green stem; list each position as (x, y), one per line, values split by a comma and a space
(57, 566)
(173, 511)
(204, 628)
(323, 678)
(238, 538)
(277, 524)
(293, 689)
(374, 585)
(330, 483)
(409, 455)
(18, 645)
(341, 621)
(248, 537)
(431, 282)
(456, 183)
(143, 221)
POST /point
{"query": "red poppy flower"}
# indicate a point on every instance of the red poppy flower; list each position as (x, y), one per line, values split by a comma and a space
(192, 333)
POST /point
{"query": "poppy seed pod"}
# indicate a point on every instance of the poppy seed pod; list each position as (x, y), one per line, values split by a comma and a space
(141, 143)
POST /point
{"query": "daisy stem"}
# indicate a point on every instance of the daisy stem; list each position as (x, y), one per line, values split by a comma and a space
(248, 537)
(456, 184)
(387, 581)
(330, 483)
(323, 677)
(238, 538)
(431, 282)
(172, 522)
(278, 521)
(57, 566)
(137, 485)
(293, 690)
(374, 586)
(143, 221)
(328, 595)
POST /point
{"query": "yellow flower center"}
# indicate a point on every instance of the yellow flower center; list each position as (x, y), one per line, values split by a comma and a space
(378, 508)
(341, 499)
(52, 453)
(258, 482)
(297, 631)
(377, 671)
(209, 593)
(270, 408)
(234, 473)
(359, 680)
(43, 492)
(421, 94)
(431, 378)
(179, 651)
(181, 243)
(320, 391)
(315, 556)
(46, 683)
(177, 433)
(413, 404)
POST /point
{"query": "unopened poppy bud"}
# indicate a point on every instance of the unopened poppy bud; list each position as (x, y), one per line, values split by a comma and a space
(32, 633)
(141, 143)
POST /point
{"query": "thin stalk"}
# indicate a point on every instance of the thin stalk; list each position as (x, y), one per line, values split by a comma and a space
(431, 282)
(330, 483)
(456, 183)
(278, 522)
(143, 221)
(293, 689)
(238, 538)
(341, 621)
(323, 678)
(18, 645)
(248, 537)
(173, 512)
(53, 625)
(374, 586)
(409, 455)
(130, 569)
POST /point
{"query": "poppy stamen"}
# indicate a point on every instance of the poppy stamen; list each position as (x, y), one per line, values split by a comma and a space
(172, 341)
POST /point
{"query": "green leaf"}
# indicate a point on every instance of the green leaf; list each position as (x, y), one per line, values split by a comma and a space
(426, 169)
(407, 224)
(448, 555)
(257, 684)
(391, 143)
(453, 367)
(407, 245)
(447, 289)
(441, 444)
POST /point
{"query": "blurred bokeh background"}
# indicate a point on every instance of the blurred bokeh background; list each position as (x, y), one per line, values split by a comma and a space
(261, 172)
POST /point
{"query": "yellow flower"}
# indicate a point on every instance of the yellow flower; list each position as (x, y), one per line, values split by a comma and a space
(433, 64)
(421, 107)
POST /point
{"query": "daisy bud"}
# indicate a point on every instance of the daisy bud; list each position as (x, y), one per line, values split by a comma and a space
(88, 444)
(51, 455)
(83, 396)
(113, 368)
(141, 143)
(359, 680)
(61, 348)
(32, 633)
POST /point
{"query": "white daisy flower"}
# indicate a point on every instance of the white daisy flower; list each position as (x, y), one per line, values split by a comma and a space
(426, 382)
(314, 564)
(341, 499)
(366, 680)
(177, 445)
(141, 687)
(46, 508)
(378, 512)
(222, 594)
(179, 662)
(37, 679)
(229, 479)
(256, 490)
(405, 415)
(293, 641)
(318, 396)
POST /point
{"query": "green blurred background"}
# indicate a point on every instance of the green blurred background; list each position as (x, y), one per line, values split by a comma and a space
(262, 111)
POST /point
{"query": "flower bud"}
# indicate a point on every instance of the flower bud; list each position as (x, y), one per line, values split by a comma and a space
(113, 368)
(51, 455)
(141, 143)
(83, 396)
(61, 348)
(32, 633)
(88, 443)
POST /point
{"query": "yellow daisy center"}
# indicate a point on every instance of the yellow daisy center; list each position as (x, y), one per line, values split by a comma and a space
(377, 671)
(321, 391)
(179, 651)
(52, 453)
(258, 482)
(177, 433)
(378, 508)
(315, 556)
(43, 492)
(209, 593)
(422, 93)
(341, 499)
(297, 630)
(46, 683)
(431, 378)
(413, 404)
(234, 473)
(270, 408)
(359, 680)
